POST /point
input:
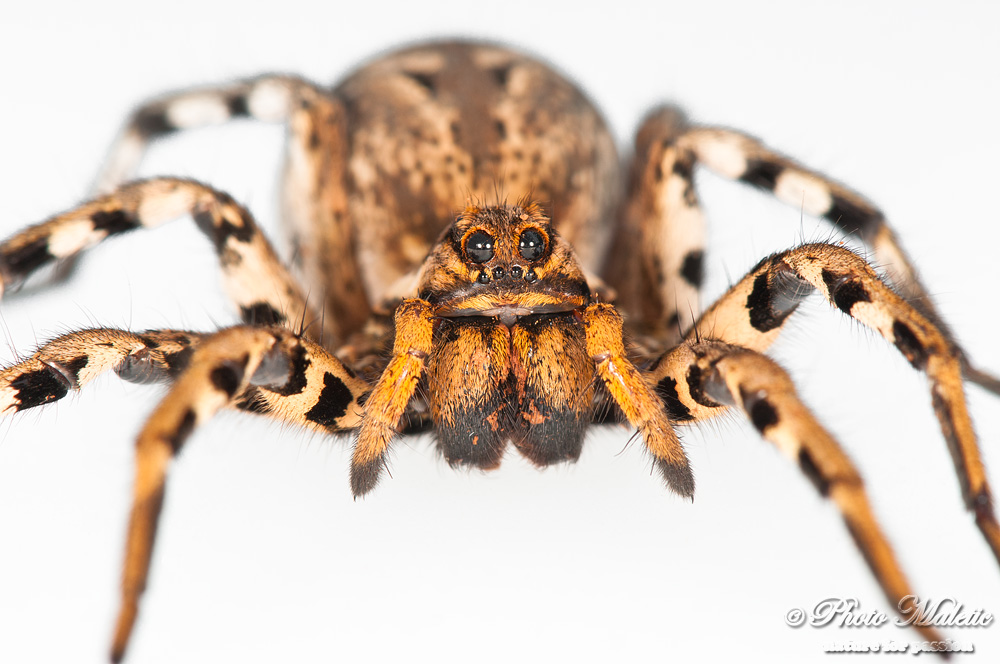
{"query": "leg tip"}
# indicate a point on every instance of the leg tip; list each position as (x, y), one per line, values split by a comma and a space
(364, 476)
(679, 478)
(123, 630)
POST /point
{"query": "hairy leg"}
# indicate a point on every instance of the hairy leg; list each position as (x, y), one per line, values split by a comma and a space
(752, 313)
(268, 98)
(716, 375)
(253, 275)
(221, 369)
(664, 225)
(640, 405)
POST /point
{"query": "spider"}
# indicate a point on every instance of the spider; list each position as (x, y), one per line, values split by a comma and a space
(457, 209)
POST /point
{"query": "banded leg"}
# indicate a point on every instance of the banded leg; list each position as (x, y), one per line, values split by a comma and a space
(641, 406)
(321, 392)
(720, 375)
(752, 313)
(253, 276)
(315, 200)
(740, 157)
(73, 360)
(289, 378)
(269, 98)
(665, 225)
(662, 247)
(221, 370)
(387, 401)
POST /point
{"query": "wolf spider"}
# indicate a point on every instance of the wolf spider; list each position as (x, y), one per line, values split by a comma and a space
(477, 270)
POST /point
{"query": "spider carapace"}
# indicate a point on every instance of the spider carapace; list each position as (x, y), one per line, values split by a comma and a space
(505, 325)
(509, 294)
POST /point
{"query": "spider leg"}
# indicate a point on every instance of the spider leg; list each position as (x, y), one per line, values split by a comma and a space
(716, 374)
(661, 247)
(386, 403)
(744, 158)
(665, 226)
(641, 406)
(72, 360)
(263, 369)
(315, 199)
(321, 392)
(753, 312)
(253, 275)
(269, 98)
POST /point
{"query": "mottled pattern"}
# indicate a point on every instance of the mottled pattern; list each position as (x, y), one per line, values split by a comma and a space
(476, 258)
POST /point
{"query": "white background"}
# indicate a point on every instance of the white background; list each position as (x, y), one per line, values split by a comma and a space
(263, 556)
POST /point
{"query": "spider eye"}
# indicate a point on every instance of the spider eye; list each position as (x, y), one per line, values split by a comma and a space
(532, 244)
(479, 247)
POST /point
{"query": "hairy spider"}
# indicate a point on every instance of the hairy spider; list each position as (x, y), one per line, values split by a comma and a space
(507, 315)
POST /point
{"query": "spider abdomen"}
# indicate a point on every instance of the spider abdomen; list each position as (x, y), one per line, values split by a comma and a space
(529, 383)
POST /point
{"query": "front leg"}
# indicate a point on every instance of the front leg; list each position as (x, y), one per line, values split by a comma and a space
(388, 400)
(642, 407)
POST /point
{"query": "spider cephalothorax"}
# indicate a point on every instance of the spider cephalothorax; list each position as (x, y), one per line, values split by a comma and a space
(508, 343)
(507, 319)
(505, 335)
(505, 262)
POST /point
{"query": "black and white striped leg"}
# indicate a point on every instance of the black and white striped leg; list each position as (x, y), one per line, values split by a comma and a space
(666, 222)
(253, 276)
(752, 313)
(71, 361)
(740, 157)
(713, 375)
(321, 393)
(294, 380)
(268, 98)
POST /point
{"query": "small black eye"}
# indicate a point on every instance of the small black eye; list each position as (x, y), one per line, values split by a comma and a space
(479, 247)
(532, 244)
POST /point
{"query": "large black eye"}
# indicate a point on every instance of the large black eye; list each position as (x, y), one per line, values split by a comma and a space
(479, 247)
(532, 244)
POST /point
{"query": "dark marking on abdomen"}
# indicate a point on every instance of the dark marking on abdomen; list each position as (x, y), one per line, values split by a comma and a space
(500, 75)
(426, 81)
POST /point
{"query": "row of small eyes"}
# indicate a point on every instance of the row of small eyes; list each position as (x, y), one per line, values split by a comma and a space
(479, 246)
